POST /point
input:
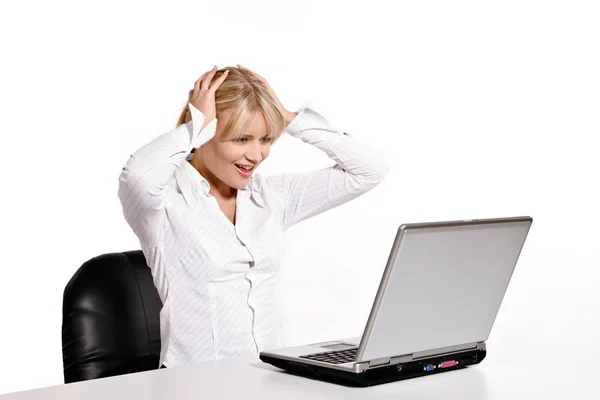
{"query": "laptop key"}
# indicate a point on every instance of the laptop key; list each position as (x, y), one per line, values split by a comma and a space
(334, 357)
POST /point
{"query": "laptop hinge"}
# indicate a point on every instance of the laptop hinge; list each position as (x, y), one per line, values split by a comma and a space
(379, 361)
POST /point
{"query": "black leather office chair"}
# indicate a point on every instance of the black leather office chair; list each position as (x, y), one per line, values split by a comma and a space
(110, 322)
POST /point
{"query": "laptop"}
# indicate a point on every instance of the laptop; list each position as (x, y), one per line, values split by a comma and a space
(437, 300)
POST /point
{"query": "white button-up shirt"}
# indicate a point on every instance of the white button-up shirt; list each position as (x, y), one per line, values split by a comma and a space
(216, 279)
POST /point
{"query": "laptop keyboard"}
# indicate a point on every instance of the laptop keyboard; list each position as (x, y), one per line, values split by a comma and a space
(334, 357)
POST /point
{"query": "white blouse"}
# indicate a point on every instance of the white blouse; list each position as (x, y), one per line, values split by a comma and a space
(215, 279)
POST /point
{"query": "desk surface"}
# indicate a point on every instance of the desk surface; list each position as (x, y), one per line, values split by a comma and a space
(250, 378)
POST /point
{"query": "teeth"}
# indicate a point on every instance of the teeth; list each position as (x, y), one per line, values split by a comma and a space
(244, 167)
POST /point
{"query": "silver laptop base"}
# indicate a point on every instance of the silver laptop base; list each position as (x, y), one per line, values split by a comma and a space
(384, 374)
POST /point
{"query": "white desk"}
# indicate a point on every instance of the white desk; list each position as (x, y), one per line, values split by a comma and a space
(249, 378)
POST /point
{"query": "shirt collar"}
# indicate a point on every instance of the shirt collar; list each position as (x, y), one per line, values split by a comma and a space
(193, 184)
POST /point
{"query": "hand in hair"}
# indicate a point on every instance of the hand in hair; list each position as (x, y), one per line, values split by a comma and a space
(287, 115)
(202, 96)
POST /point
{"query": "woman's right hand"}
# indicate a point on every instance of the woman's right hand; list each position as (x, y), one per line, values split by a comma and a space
(202, 96)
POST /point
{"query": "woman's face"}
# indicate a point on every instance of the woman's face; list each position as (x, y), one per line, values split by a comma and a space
(225, 160)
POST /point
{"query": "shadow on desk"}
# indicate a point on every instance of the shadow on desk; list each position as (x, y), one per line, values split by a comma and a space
(462, 383)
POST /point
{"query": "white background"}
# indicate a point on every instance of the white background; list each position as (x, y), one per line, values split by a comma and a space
(482, 109)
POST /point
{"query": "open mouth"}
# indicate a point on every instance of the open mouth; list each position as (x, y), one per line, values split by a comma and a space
(245, 169)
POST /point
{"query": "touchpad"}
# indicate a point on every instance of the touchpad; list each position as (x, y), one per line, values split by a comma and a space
(338, 346)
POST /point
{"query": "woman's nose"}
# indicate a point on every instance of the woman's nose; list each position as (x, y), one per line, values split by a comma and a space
(254, 154)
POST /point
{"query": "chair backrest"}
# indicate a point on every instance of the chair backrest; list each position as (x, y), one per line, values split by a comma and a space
(110, 322)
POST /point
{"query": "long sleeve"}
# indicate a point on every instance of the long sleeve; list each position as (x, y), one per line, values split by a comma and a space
(144, 177)
(358, 169)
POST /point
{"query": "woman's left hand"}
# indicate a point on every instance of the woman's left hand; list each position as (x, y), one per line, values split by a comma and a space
(287, 115)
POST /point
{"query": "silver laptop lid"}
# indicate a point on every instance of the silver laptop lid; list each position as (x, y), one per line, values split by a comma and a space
(443, 285)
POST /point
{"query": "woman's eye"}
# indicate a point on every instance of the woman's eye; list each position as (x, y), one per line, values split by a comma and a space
(242, 139)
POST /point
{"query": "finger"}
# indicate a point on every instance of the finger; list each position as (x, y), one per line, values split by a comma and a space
(260, 78)
(215, 85)
(206, 81)
(265, 84)
(197, 83)
(202, 79)
(257, 76)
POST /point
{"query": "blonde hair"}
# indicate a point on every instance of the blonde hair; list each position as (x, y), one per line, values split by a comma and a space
(243, 95)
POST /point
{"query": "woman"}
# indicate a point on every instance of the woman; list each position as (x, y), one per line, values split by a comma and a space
(211, 230)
